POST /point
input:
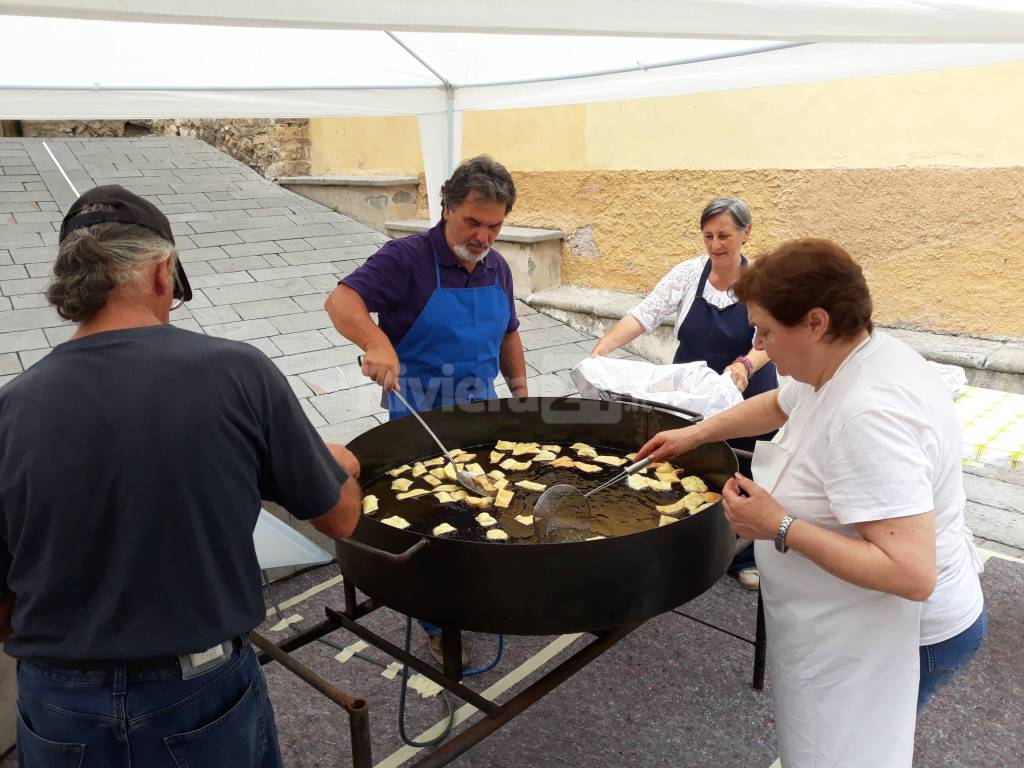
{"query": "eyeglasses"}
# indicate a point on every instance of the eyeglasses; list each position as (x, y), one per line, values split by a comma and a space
(179, 289)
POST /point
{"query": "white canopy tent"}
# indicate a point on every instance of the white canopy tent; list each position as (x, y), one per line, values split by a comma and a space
(93, 59)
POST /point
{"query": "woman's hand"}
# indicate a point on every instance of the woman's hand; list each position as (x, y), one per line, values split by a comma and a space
(671, 443)
(603, 348)
(755, 515)
(739, 375)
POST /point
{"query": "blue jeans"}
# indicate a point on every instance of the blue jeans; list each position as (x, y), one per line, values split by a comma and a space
(114, 717)
(940, 662)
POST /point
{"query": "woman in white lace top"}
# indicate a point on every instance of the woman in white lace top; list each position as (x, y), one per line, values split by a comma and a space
(710, 324)
(725, 225)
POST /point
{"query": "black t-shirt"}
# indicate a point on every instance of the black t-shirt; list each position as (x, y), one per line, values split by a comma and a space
(132, 464)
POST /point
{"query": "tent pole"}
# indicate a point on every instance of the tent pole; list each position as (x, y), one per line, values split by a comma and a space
(450, 129)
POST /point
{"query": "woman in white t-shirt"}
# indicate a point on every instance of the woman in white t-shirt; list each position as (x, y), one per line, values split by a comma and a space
(711, 324)
(857, 509)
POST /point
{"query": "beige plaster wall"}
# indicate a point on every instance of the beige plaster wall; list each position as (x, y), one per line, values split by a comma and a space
(943, 248)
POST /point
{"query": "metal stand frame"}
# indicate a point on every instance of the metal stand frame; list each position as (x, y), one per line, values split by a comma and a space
(496, 715)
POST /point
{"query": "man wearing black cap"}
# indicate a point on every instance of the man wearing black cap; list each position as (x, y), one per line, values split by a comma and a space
(133, 459)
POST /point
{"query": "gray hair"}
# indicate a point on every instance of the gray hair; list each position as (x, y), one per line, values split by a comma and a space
(92, 261)
(481, 174)
(736, 208)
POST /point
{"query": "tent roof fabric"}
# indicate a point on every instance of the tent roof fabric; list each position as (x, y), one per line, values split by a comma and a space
(891, 21)
(94, 59)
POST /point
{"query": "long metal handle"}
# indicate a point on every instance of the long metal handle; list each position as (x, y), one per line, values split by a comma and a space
(412, 410)
(401, 557)
(625, 473)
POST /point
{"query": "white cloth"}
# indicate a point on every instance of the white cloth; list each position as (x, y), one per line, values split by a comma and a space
(843, 660)
(675, 293)
(895, 450)
(692, 386)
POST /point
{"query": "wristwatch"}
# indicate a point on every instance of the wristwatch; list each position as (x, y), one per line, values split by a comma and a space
(780, 535)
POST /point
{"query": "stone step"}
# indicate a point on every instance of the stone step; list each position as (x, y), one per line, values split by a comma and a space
(372, 200)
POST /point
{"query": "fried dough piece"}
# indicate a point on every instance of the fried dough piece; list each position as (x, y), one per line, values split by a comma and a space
(531, 486)
(411, 494)
(396, 522)
(370, 504)
(496, 457)
(637, 482)
(514, 466)
(497, 474)
(480, 502)
(666, 520)
(552, 448)
(497, 535)
(486, 519)
(401, 484)
(693, 484)
(524, 519)
(588, 468)
(525, 448)
(564, 461)
(436, 462)
(544, 456)
(659, 485)
(418, 469)
(504, 498)
(671, 509)
(693, 500)
(711, 497)
(444, 529)
(431, 480)
(504, 445)
(444, 497)
(613, 461)
(399, 470)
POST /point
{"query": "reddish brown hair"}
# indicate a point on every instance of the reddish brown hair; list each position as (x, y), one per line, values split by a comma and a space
(803, 274)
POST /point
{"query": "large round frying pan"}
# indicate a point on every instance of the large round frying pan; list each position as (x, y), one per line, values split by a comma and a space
(537, 589)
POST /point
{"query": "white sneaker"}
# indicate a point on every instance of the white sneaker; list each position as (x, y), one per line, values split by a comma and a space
(749, 578)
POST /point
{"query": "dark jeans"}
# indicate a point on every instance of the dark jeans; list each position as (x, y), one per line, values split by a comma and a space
(940, 662)
(114, 718)
(744, 559)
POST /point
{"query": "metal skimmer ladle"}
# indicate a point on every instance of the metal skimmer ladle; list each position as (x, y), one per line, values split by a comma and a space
(562, 513)
(466, 479)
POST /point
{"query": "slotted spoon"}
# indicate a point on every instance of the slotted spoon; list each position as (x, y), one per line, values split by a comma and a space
(562, 513)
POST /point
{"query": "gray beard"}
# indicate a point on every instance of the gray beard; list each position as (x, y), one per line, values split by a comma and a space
(463, 254)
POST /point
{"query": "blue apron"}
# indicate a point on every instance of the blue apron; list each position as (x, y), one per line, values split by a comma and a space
(718, 337)
(450, 354)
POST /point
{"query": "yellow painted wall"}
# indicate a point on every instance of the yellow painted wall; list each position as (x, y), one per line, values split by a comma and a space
(365, 145)
(920, 176)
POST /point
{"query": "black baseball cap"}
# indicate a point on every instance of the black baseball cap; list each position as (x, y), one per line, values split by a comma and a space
(128, 208)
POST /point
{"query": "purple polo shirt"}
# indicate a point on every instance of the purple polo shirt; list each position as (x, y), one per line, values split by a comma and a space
(397, 280)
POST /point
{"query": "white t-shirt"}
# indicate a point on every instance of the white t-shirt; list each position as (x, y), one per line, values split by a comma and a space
(891, 447)
(674, 294)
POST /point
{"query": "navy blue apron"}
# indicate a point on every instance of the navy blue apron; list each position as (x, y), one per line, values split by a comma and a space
(718, 337)
(450, 353)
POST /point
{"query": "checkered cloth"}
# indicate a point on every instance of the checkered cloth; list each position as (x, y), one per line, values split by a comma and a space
(993, 427)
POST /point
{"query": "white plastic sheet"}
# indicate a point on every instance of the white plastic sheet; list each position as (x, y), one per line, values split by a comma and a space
(692, 386)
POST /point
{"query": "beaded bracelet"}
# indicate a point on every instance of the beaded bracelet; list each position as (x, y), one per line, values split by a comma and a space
(746, 364)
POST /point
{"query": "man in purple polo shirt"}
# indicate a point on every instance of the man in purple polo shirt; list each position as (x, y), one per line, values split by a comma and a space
(444, 301)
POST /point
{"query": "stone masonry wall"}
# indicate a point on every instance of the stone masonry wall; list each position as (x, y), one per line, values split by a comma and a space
(274, 147)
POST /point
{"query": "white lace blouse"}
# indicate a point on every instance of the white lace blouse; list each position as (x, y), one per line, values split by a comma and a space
(675, 292)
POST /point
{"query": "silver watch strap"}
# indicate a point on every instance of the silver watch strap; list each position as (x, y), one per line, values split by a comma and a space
(780, 535)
